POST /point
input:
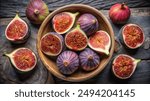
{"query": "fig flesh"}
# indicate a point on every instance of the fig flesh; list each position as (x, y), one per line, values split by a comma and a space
(89, 59)
(100, 42)
(88, 23)
(63, 22)
(76, 39)
(17, 31)
(67, 62)
(52, 44)
(133, 36)
(124, 66)
(23, 59)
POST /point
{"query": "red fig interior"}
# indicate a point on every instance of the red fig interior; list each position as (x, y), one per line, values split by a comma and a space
(133, 35)
(76, 40)
(24, 59)
(51, 43)
(62, 22)
(16, 30)
(123, 66)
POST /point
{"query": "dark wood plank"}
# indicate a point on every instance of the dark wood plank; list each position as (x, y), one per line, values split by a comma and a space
(8, 7)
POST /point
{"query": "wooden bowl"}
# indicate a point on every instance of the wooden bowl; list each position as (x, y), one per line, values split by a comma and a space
(47, 27)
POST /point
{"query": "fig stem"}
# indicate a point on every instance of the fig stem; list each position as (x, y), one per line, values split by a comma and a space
(137, 60)
(65, 63)
(122, 5)
(90, 57)
(76, 13)
(36, 12)
(78, 26)
(107, 52)
(17, 14)
(94, 21)
(6, 54)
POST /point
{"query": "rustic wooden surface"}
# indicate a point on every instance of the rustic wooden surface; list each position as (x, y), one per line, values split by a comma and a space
(140, 15)
(8, 7)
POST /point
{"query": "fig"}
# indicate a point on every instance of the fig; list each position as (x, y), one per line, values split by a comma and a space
(63, 22)
(100, 42)
(23, 59)
(119, 13)
(52, 44)
(133, 36)
(67, 62)
(37, 11)
(76, 39)
(124, 66)
(89, 59)
(88, 23)
(17, 31)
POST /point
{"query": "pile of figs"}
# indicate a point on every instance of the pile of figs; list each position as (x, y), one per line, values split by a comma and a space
(76, 41)
(17, 32)
(131, 36)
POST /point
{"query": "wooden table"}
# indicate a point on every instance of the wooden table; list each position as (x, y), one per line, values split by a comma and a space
(140, 14)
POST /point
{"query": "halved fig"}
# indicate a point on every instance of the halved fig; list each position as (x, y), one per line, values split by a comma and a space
(51, 44)
(76, 39)
(88, 23)
(124, 66)
(63, 22)
(23, 59)
(133, 36)
(100, 42)
(17, 31)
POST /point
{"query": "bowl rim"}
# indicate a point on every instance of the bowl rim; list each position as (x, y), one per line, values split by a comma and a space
(90, 75)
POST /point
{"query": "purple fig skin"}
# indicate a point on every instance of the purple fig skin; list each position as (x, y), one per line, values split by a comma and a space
(89, 60)
(67, 62)
(37, 11)
(88, 23)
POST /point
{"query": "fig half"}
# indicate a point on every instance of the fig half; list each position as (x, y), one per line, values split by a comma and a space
(63, 22)
(100, 42)
(124, 66)
(52, 44)
(76, 39)
(133, 36)
(23, 59)
(17, 31)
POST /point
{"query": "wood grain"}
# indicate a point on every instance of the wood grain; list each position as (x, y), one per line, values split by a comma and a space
(140, 16)
(8, 7)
